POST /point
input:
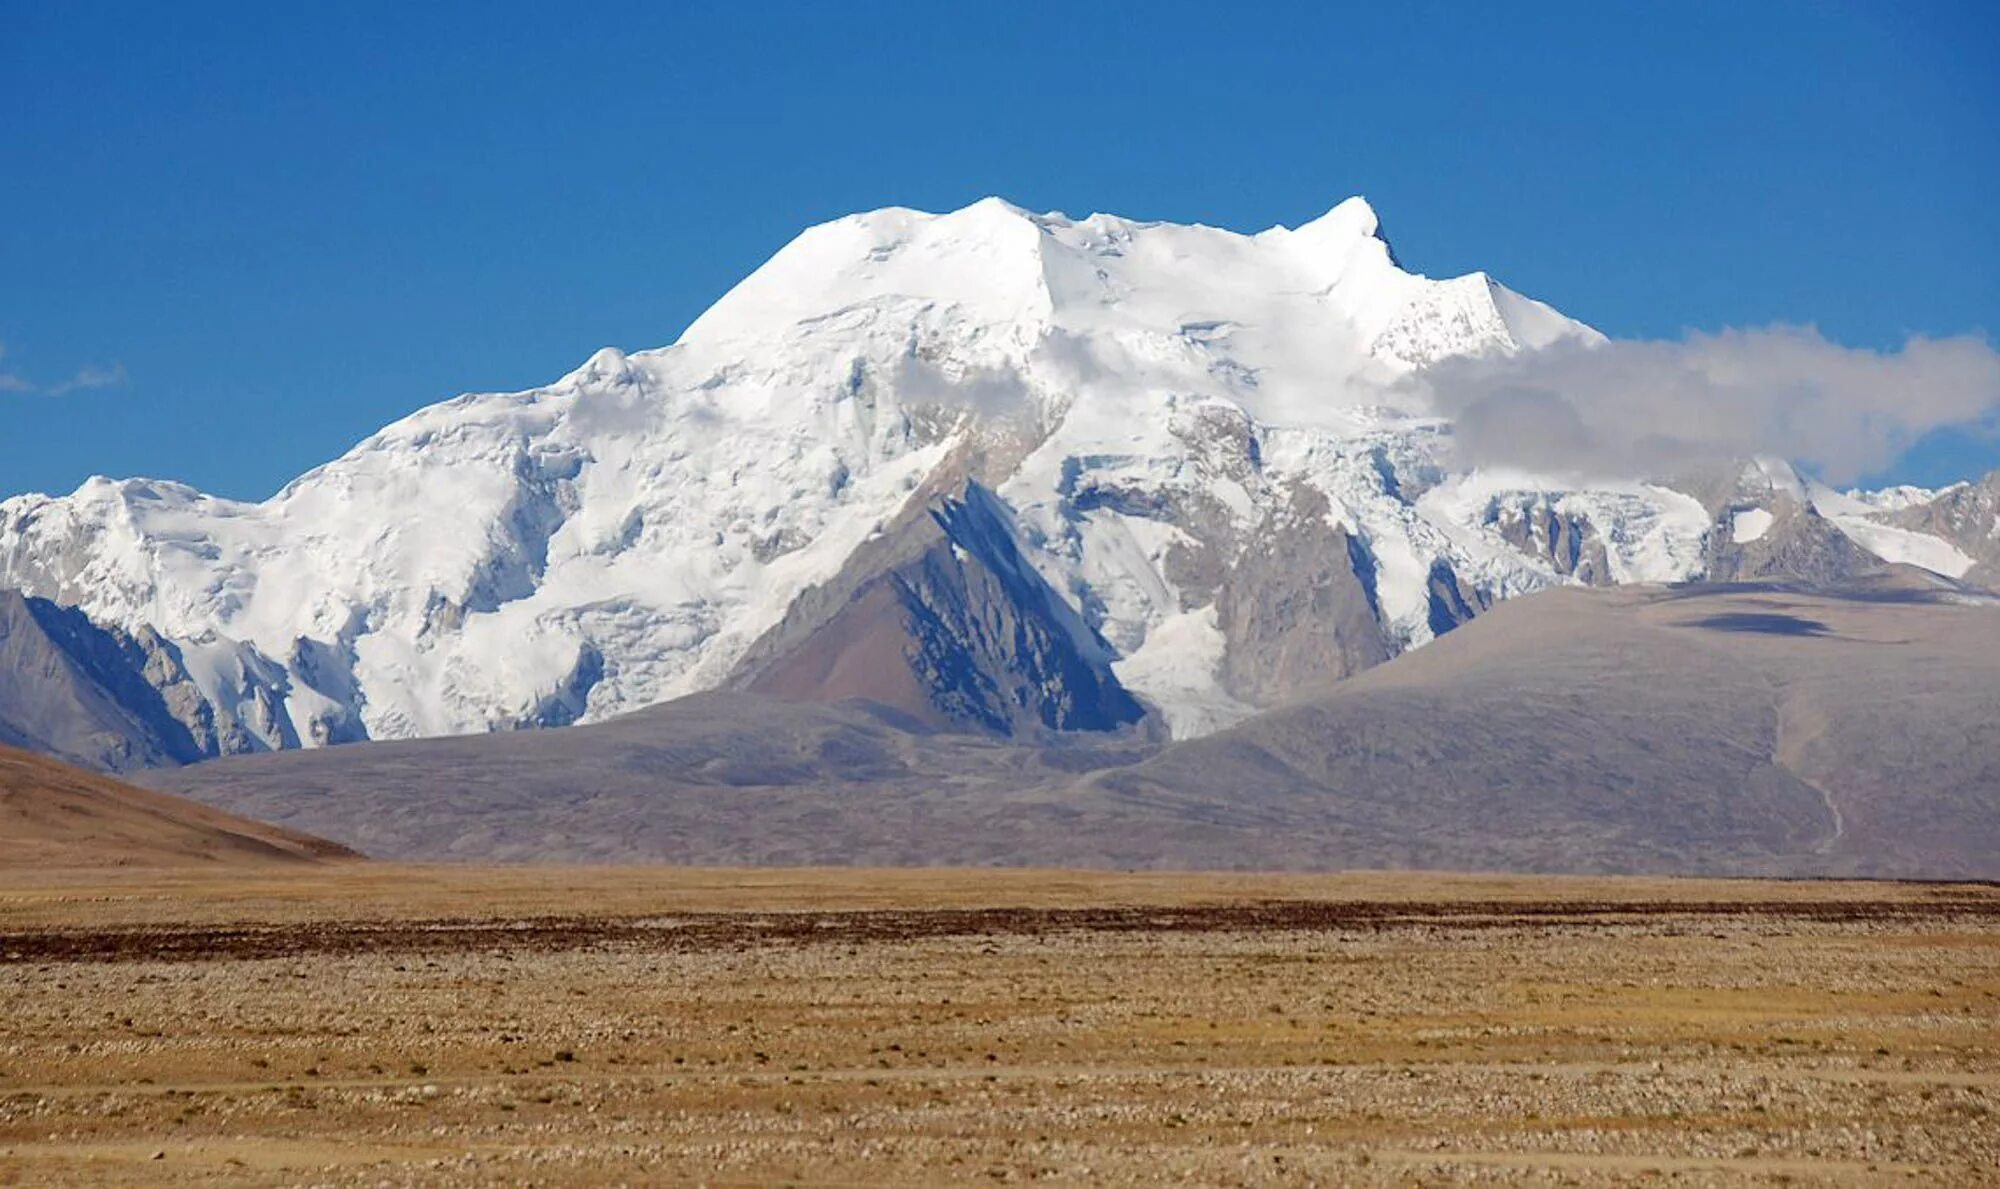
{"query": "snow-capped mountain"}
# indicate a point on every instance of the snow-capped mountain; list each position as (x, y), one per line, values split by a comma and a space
(1069, 460)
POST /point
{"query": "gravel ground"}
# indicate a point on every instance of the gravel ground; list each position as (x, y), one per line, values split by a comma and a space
(1732, 1034)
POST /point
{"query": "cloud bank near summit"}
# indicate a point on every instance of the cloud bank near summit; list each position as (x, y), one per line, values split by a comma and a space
(1656, 408)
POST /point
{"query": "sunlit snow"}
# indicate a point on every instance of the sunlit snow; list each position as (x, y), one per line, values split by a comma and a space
(1134, 391)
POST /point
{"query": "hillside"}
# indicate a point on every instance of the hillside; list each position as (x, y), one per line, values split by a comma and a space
(1755, 729)
(1722, 730)
(56, 815)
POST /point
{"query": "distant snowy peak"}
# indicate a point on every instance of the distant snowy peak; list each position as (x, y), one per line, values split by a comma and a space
(1331, 285)
(1782, 522)
(984, 259)
(1953, 531)
(1471, 315)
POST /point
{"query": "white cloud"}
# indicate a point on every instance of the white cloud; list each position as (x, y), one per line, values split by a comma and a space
(9, 382)
(90, 376)
(989, 391)
(1644, 408)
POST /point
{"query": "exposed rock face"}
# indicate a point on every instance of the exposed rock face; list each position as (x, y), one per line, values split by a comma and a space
(96, 697)
(1797, 543)
(328, 670)
(946, 621)
(1766, 524)
(166, 672)
(1449, 601)
(1568, 542)
(1968, 516)
(1298, 607)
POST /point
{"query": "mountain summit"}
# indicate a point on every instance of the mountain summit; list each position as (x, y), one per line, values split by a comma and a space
(1053, 473)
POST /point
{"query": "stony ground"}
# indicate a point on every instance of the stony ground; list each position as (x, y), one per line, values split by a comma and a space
(376, 1025)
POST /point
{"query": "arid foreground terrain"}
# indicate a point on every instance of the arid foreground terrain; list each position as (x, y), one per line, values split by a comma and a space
(364, 1024)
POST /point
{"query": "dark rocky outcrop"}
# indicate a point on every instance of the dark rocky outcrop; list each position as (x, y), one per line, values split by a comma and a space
(1969, 517)
(94, 696)
(1299, 607)
(1799, 545)
(944, 619)
(1568, 542)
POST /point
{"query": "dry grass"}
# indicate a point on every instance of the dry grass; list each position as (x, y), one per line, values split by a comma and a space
(458, 1026)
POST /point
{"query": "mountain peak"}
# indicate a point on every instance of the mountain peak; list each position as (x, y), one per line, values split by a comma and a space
(993, 204)
(985, 256)
(1350, 227)
(1350, 218)
(607, 366)
(1144, 398)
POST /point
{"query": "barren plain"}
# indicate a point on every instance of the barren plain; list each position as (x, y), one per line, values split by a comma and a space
(368, 1024)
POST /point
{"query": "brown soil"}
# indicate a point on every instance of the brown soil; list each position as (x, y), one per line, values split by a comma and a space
(56, 815)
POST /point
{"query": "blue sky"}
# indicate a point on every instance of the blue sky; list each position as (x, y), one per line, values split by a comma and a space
(234, 239)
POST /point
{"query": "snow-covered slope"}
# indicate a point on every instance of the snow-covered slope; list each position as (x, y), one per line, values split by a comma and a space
(1152, 403)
